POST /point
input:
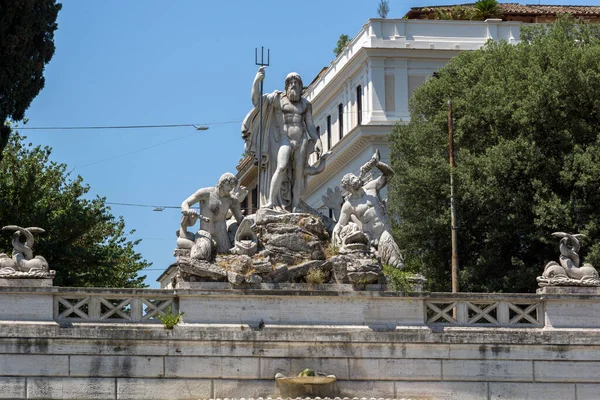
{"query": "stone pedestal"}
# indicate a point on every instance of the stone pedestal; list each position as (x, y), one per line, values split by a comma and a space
(291, 238)
(569, 307)
(17, 282)
(34, 278)
(26, 302)
(290, 248)
(24, 297)
(575, 290)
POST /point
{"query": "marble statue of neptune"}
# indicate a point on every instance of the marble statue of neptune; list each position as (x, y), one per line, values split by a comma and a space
(288, 138)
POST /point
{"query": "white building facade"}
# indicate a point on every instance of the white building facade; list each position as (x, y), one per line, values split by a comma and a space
(366, 89)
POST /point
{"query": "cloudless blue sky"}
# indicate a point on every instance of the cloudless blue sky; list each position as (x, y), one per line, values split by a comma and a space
(179, 62)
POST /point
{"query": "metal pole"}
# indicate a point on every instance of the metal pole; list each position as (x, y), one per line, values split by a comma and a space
(262, 63)
(260, 137)
(455, 285)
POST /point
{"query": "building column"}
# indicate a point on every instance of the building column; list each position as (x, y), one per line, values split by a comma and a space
(347, 108)
(376, 70)
(402, 89)
(366, 110)
(492, 28)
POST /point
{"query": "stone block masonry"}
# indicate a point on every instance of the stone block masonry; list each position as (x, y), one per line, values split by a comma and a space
(108, 344)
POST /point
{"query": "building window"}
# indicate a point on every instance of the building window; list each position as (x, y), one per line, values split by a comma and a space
(359, 104)
(331, 213)
(328, 132)
(341, 120)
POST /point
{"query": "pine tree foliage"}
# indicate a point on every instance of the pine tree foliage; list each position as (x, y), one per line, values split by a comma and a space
(26, 46)
(383, 9)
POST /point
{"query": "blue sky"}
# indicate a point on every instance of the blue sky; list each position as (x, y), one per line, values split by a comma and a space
(182, 62)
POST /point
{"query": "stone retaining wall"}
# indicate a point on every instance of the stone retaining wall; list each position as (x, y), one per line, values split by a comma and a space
(378, 344)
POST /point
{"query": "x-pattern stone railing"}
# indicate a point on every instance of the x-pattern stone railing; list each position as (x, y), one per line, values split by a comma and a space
(481, 311)
(112, 306)
(440, 309)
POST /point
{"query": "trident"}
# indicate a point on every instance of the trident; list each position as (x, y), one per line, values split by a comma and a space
(262, 63)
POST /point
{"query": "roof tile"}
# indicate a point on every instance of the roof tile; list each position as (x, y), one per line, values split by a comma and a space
(516, 9)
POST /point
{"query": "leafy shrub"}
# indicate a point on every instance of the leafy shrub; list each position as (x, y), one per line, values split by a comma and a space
(398, 279)
(316, 276)
(169, 319)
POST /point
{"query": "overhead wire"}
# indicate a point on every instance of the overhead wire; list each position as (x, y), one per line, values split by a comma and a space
(139, 205)
(63, 128)
(133, 151)
(110, 203)
(94, 127)
(196, 126)
(163, 126)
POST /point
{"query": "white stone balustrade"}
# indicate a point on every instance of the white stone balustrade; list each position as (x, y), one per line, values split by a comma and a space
(112, 305)
(297, 304)
(92, 343)
(279, 305)
(111, 308)
(484, 312)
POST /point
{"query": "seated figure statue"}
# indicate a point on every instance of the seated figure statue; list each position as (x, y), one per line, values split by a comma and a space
(364, 213)
(215, 204)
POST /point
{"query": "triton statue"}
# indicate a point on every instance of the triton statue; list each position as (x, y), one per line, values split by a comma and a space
(364, 217)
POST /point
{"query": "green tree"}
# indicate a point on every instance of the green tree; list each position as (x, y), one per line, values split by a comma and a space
(83, 242)
(383, 9)
(527, 140)
(456, 13)
(485, 9)
(341, 43)
(26, 46)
